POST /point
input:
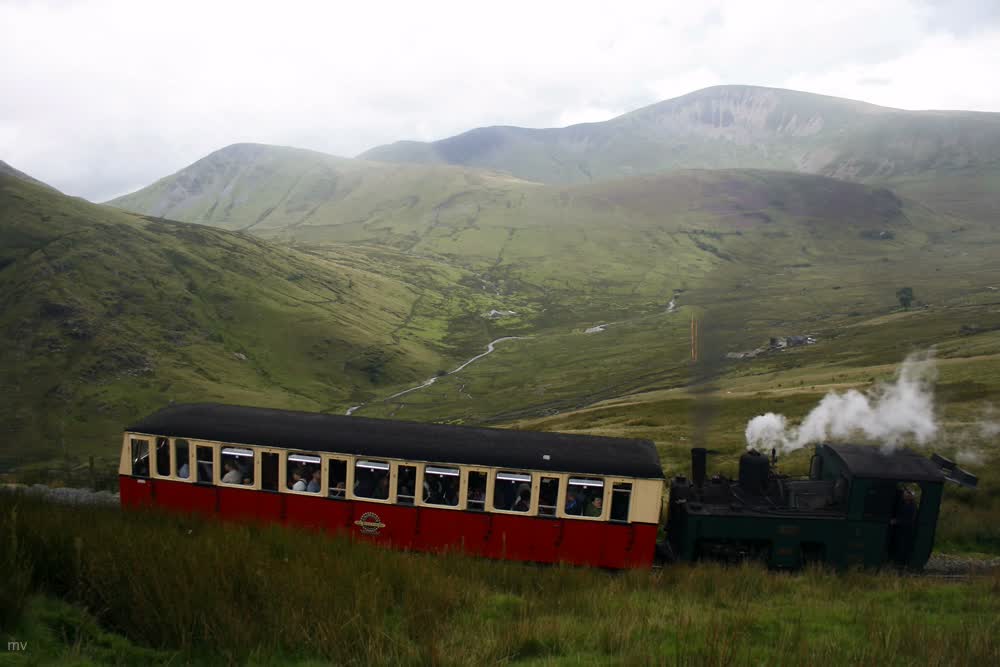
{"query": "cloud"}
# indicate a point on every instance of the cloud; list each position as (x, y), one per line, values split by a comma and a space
(104, 96)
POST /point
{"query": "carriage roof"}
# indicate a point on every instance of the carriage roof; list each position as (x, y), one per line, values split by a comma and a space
(363, 436)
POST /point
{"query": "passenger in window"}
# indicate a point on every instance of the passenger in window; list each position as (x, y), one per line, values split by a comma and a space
(572, 502)
(382, 488)
(184, 471)
(451, 491)
(233, 474)
(594, 507)
(298, 483)
(314, 482)
(523, 502)
(338, 489)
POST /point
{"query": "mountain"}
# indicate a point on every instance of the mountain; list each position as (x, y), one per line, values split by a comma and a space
(747, 127)
(6, 169)
(106, 315)
(260, 187)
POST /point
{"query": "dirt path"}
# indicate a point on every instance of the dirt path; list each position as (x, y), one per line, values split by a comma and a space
(489, 350)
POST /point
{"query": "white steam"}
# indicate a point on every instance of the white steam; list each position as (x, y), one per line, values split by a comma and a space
(890, 413)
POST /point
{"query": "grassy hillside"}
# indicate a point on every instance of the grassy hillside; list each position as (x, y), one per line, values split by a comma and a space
(760, 253)
(7, 170)
(107, 315)
(728, 127)
(149, 588)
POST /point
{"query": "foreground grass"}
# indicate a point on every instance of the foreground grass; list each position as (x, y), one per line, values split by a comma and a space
(169, 588)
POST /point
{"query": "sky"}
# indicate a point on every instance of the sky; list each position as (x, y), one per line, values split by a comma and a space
(99, 98)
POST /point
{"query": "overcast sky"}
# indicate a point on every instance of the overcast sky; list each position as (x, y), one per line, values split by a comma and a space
(101, 98)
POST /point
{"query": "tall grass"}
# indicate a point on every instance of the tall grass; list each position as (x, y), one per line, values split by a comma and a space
(15, 571)
(237, 593)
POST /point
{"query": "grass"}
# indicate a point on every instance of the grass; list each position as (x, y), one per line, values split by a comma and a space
(189, 590)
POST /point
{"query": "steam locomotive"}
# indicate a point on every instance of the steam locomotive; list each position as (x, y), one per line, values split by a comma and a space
(860, 506)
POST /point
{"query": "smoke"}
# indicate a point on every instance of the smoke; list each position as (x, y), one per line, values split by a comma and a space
(989, 427)
(890, 413)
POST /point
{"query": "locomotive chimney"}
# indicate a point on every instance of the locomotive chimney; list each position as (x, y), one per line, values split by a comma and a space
(698, 464)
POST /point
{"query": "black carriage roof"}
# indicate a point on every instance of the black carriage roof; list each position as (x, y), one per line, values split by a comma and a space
(901, 465)
(363, 436)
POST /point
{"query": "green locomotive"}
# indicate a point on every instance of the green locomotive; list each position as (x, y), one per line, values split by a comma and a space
(860, 506)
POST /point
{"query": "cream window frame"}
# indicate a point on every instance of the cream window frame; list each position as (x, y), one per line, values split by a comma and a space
(173, 461)
(606, 490)
(464, 489)
(535, 481)
(283, 472)
(256, 467)
(419, 491)
(348, 475)
(391, 500)
(418, 480)
(560, 502)
(130, 462)
(610, 482)
(154, 463)
(216, 461)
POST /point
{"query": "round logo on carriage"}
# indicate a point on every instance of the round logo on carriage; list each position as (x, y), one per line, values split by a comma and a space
(369, 523)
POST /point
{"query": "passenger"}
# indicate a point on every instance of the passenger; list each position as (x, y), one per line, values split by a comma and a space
(477, 495)
(594, 508)
(338, 489)
(451, 492)
(523, 503)
(298, 483)
(572, 503)
(247, 481)
(233, 474)
(382, 488)
(314, 483)
(184, 471)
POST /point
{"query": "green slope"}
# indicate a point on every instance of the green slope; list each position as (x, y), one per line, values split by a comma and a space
(739, 127)
(106, 315)
(7, 170)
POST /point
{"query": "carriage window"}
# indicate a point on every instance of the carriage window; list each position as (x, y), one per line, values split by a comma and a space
(548, 496)
(337, 478)
(476, 500)
(371, 479)
(305, 472)
(140, 457)
(441, 486)
(585, 496)
(269, 474)
(205, 458)
(237, 466)
(406, 478)
(163, 457)
(512, 491)
(182, 458)
(621, 494)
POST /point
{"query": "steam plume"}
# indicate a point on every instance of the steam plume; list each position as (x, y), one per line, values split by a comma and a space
(892, 413)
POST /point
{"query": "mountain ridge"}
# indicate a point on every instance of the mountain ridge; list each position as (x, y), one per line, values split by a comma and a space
(739, 127)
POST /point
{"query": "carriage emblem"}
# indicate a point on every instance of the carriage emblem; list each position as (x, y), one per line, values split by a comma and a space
(369, 523)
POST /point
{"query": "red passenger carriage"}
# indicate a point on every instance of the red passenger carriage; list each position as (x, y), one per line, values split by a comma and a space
(520, 495)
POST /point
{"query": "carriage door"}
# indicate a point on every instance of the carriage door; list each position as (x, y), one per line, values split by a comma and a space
(138, 490)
